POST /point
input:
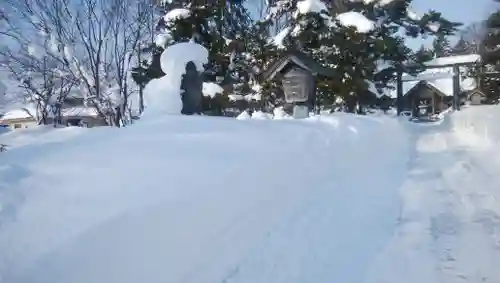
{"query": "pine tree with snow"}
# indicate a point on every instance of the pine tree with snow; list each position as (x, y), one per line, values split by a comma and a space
(359, 39)
(220, 26)
(424, 54)
(462, 47)
(490, 45)
(441, 46)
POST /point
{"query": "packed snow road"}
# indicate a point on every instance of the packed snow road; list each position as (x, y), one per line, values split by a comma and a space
(331, 199)
(449, 229)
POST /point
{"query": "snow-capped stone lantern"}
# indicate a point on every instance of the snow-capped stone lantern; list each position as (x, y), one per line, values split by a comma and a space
(298, 73)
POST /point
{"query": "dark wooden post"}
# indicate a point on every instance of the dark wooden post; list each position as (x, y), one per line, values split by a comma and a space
(399, 91)
(456, 88)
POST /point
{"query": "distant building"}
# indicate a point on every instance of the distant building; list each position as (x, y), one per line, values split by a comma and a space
(431, 91)
(73, 113)
(477, 97)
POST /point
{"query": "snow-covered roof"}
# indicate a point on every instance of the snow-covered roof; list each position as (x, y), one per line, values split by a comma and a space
(456, 59)
(28, 112)
(79, 111)
(21, 113)
(442, 79)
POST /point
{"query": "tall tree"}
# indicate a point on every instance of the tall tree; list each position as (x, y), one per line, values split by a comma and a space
(441, 46)
(424, 54)
(357, 55)
(490, 45)
(91, 43)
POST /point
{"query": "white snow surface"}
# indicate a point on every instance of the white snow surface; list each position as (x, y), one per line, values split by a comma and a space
(211, 89)
(331, 198)
(310, 6)
(456, 59)
(280, 37)
(449, 228)
(163, 95)
(357, 20)
(177, 14)
(197, 199)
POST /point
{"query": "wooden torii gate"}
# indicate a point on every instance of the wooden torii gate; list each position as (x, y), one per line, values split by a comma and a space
(456, 82)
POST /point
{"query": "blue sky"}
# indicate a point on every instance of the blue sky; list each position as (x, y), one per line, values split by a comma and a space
(464, 11)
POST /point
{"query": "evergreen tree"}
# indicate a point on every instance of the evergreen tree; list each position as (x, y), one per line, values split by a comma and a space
(490, 45)
(219, 25)
(441, 46)
(423, 54)
(462, 47)
(357, 57)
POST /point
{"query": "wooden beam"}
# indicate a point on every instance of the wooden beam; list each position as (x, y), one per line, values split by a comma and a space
(456, 88)
(399, 90)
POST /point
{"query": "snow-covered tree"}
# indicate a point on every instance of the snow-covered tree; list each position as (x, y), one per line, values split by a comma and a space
(361, 40)
(491, 42)
(441, 46)
(424, 54)
(220, 26)
(93, 42)
(41, 79)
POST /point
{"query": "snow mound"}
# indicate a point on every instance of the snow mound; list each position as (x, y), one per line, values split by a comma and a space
(259, 115)
(163, 95)
(279, 114)
(244, 116)
(357, 20)
(192, 199)
(477, 126)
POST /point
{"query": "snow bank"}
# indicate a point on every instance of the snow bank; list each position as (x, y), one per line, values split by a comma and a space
(449, 221)
(163, 95)
(259, 115)
(40, 135)
(477, 126)
(197, 199)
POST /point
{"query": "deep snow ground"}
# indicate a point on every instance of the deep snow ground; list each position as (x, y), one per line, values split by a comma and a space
(192, 199)
(449, 230)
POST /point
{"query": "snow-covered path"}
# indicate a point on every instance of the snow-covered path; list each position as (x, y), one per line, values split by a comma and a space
(337, 199)
(449, 229)
(208, 201)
